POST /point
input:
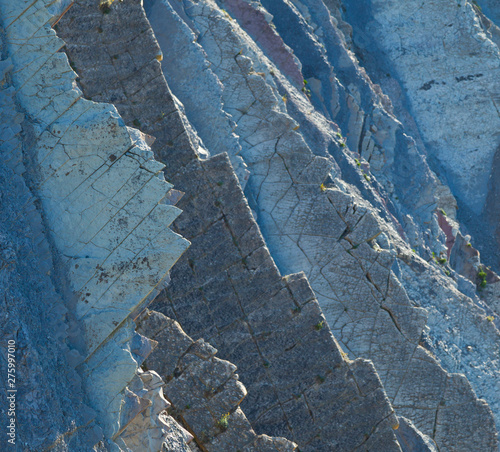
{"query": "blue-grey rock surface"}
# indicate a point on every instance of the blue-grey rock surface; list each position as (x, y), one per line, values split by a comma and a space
(349, 145)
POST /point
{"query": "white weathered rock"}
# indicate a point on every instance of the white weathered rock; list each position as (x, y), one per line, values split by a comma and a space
(101, 194)
(154, 429)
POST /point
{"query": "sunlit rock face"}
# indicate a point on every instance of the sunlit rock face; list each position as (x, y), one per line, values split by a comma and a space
(447, 60)
(100, 195)
(314, 154)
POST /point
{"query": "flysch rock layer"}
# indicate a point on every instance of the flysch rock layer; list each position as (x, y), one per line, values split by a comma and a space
(204, 390)
(413, 195)
(51, 408)
(101, 197)
(447, 63)
(324, 227)
(228, 284)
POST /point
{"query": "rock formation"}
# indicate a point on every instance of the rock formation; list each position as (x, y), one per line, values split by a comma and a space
(330, 297)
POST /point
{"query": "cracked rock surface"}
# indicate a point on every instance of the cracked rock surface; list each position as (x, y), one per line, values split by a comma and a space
(350, 146)
(314, 220)
(100, 193)
(227, 290)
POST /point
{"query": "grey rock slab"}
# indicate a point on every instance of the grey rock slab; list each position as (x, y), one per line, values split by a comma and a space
(229, 273)
(363, 300)
(204, 391)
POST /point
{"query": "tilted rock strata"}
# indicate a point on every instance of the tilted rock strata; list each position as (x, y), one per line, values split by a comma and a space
(100, 193)
(227, 290)
(204, 390)
(230, 265)
(51, 407)
(442, 52)
(326, 230)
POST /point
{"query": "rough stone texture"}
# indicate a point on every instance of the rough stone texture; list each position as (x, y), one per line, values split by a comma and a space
(411, 439)
(100, 193)
(340, 188)
(443, 52)
(228, 275)
(163, 432)
(227, 290)
(51, 406)
(204, 390)
(327, 230)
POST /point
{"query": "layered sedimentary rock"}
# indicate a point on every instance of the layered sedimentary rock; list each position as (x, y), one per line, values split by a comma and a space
(446, 62)
(287, 159)
(100, 196)
(50, 402)
(313, 221)
(226, 289)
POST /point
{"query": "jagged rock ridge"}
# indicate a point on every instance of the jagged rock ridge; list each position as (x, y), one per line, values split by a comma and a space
(339, 188)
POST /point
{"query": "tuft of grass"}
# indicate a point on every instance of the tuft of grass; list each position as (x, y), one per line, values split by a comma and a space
(490, 318)
(442, 260)
(223, 422)
(442, 212)
(482, 277)
(319, 326)
(322, 187)
(320, 378)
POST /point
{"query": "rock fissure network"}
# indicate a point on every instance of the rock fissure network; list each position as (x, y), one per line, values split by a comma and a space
(255, 226)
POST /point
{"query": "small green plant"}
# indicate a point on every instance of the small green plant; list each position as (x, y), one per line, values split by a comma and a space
(319, 326)
(366, 177)
(357, 162)
(342, 144)
(477, 6)
(306, 90)
(469, 244)
(442, 212)
(322, 187)
(490, 318)
(220, 183)
(136, 123)
(223, 422)
(482, 278)
(442, 260)
(339, 135)
(297, 310)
